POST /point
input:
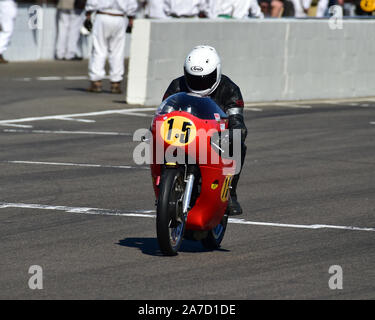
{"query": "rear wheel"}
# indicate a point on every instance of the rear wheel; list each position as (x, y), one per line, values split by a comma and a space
(170, 221)
(215, 236)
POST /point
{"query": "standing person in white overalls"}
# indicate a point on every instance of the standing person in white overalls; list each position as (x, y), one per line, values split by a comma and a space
(237, 9)
(108, 33)
(185, 8)
(8, 13)
(70, 20)
(154, 9)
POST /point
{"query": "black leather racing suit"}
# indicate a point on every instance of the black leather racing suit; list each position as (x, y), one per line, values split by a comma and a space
(229, 98)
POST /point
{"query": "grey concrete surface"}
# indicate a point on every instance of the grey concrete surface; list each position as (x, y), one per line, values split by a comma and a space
(304, 166)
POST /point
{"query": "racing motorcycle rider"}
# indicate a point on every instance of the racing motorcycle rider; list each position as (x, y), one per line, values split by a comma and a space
(202, 76)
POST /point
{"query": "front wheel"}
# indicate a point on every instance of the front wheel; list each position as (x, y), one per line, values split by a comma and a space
(215, 236)
(170, 221)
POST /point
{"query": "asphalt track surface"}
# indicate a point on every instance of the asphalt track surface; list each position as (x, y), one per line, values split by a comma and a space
(310, 169)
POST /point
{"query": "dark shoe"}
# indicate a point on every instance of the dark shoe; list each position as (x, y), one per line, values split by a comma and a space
(116, 87)
(75, 58)
(96, 87)
(58, 58)
(234, 207)
(2, 60)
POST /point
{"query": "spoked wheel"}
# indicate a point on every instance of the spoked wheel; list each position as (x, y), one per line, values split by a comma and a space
(170, 221)
(215, 236)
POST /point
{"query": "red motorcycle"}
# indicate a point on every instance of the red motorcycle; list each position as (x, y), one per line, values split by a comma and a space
(191, 172)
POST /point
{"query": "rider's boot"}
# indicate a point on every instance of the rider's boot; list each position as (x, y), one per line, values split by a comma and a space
(234, 207)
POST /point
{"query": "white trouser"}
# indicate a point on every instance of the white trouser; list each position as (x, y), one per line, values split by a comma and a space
(108, 41)
(69, 27)
(8, 13)
(155, 9)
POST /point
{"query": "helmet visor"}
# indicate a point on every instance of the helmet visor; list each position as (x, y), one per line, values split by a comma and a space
(200, 83)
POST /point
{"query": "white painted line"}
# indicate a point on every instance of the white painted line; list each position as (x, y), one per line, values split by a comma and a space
(253, 109)
(300, 105)
(76, 78)
(49, 78)
(92, 211)
(140, 114)
(365, 105)
(126, 111)
(299, 226)
(77, 115)
(73, 164)
(295, 106)
(53, 78)
(16, 125)
(314, 101)
(372, 122)
(151, 214)
(68, 132)
(78, 120)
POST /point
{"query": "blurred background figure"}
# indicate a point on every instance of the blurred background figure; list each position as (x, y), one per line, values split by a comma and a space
(185, 8)
(8, 13)
(112, 19)
(238, 9)
(301, 8)
(324, 5)
(322, 8)
(272, 8)
(254, 9)
(350, 8)
(154, 9)
(70, 19)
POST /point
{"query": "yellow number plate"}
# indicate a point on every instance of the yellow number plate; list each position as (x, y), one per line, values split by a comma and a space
(178, 131)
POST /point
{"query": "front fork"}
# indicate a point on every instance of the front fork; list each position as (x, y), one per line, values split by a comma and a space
(185, 200)
(187, 194)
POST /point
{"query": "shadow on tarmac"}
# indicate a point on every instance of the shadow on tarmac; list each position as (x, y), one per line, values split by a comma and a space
(120, 101)
(150, 246)
(105, 91)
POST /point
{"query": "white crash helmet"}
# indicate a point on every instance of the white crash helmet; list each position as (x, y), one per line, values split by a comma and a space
(202, 70)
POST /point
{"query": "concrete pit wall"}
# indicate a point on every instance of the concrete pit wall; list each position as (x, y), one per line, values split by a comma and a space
(39, 44)
(271, 60)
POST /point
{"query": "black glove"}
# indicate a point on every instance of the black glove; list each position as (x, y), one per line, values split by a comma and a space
(88, 24)
(237, 122)
(129, 29)
(130, 24)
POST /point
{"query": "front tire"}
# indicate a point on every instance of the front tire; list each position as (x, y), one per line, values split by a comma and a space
(170, 221)
(215, 236)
